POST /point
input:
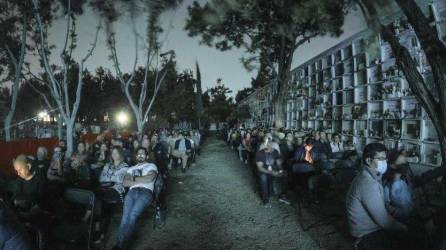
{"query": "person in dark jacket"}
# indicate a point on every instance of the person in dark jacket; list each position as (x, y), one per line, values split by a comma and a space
(305, 157)
(321, 143)
(182, 150)
(41, 163)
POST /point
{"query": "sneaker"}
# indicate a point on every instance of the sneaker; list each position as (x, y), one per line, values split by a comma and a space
(285, 200)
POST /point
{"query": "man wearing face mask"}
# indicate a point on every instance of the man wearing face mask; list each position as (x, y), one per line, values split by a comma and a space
(372, 226)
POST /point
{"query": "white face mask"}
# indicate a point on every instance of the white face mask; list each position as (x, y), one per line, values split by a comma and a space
(381, 167)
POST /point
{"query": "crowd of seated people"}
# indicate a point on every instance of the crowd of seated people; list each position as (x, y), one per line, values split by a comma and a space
(381, 205)
(119, 171)
(283, 157)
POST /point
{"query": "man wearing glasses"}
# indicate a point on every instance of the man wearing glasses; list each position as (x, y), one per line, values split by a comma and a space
(370, 223)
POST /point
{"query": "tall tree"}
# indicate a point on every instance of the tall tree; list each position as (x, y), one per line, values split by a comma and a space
(270, 31)
(220, 105)
(199, 96)
(14, 26)
(58, 78)
(432, 96)
(141, 105)
(242, 94)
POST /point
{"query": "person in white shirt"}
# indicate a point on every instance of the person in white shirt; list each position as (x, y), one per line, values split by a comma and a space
(140, 179)
(337, 145)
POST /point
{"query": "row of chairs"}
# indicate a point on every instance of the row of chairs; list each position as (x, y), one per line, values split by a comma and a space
(333, 175)
(77, 234)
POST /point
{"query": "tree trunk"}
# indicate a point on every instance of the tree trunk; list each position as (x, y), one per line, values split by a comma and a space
(140, 123)
(70, 137)
(7, 124)
(59, 127)
(8, 118)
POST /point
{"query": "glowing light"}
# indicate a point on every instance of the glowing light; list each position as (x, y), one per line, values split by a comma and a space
(122, 118)
(42, 114)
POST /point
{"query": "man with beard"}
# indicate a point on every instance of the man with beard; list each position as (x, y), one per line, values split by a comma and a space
(140, 179)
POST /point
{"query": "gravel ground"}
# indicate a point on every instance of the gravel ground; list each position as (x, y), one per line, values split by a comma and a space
(215, 206)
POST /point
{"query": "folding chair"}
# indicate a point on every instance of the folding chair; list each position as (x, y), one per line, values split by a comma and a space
(437, 199)
(36, 237)
(159, 188)
(86, 199)
(343, 173)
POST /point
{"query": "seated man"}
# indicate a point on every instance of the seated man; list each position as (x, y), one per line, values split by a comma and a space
(41, 163)
(141, 180)
(269, 166)
(274, 142)
(26, 191)
(160, 149)
(182, 150)
(370, 223)
(337, 146)
(321, 143)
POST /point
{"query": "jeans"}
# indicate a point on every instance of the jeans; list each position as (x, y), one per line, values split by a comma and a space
(136, 200)
(302, 168)
(13, 234)
(266, 184)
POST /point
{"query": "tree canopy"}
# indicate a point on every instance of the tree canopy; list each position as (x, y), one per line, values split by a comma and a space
(270, 30)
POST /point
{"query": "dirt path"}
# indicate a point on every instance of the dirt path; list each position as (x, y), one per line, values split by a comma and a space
(214, 206)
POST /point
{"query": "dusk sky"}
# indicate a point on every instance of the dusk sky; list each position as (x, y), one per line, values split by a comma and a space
(213, 63)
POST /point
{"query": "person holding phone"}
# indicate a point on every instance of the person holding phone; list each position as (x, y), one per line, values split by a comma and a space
(269, 168)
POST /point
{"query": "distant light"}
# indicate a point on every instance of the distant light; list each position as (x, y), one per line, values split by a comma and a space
(122, 118)
(42, 114)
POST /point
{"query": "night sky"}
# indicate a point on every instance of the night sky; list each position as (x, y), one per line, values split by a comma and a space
(213, 63)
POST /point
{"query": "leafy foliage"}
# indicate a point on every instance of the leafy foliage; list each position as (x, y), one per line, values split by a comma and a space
(242, 94)
(220, 104)
(266, 29)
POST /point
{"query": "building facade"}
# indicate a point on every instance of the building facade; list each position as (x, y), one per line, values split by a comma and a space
(355, 89)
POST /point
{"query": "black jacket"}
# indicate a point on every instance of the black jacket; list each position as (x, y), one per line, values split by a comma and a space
(187, 142)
